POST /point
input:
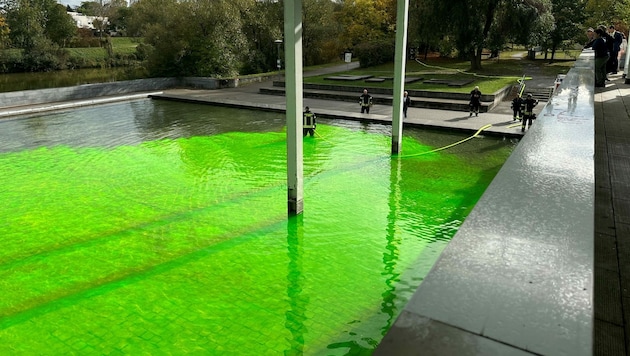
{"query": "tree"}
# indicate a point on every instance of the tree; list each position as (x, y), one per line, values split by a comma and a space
(38, 27)
(366, 20)
(320, 35)
(4, 33)
(422, 28)
(59, 26)
(608, 12)
(90, 8)
(192, 38)
(263, 23)
(569, 16)
(117, 12)
(476, 25)
(30, 19)
(25, 20)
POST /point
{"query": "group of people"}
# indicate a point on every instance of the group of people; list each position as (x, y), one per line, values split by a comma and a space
(524, 110)
(606, 44)
(366, 101)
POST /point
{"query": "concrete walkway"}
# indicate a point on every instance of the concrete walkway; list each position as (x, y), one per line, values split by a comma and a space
(612, 219)
(500, 117)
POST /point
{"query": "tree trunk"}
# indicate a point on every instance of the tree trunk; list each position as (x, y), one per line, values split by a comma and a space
(475, 59)
(475, 62)
(553, 53)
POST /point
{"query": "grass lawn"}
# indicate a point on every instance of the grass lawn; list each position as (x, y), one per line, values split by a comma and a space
(494, 75)
(125, 45)
(88, 53)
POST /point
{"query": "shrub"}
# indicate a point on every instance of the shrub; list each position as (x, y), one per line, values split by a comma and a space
(143, 51)
(85, 38)
(256, 62)
(375, 53)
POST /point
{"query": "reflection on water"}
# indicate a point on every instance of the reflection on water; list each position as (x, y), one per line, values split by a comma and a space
(130, 123)
(159, 227)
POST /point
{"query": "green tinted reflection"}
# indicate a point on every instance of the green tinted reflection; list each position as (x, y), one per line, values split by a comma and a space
(183, 245)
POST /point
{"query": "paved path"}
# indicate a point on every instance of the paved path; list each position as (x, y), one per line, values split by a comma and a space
(500, 117)
(612, 219)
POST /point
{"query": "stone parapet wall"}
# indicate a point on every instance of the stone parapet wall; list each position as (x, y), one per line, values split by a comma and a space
(85, 91)
(95, 91)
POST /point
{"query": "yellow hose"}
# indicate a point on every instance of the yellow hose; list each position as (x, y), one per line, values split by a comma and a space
(468, 73)
(485, 127)
(522, 82)
(451, 145)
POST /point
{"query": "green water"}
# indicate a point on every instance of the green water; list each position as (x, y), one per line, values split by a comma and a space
(167, 233)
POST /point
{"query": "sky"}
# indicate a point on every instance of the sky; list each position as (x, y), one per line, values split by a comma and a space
(72, 3)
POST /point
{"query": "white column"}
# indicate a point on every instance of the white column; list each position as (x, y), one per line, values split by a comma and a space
(293, 88)
(400, 59)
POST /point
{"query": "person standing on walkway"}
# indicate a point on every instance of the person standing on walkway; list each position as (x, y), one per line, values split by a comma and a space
(517, 108)
(475, 101)
(601, 58)
(528, 115)
(365, 100)
(609, 41)
(406, 103)
(614, 55)
(590, 33)
(309, 122)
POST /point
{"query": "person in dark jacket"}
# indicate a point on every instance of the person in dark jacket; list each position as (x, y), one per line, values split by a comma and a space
(610, 43)
(590, 33)
(475, 101)
(614, 55)
(406, 103)
(309, 122)
(365, 100)
(528, 114)
(517, 108)
(601, 57)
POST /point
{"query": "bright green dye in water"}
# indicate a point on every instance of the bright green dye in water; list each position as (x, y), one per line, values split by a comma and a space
(181, 243)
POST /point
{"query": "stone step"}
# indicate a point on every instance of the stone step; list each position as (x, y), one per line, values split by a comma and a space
(388, 91)
(540, 94)
(382, 99)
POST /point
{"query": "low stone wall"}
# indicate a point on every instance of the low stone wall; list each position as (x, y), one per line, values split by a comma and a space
(493, 97)
(85, 91)
(91, 91)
